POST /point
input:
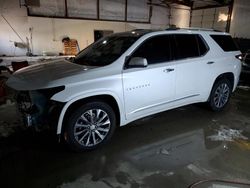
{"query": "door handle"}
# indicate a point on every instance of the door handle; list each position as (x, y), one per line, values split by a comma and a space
(168, 70)
(210, 62)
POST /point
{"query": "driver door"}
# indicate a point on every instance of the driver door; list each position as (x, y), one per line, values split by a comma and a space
(149, 89)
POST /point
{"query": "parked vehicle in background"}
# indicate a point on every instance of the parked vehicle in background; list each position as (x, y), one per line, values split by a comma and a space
(245, 73)
(127, 76)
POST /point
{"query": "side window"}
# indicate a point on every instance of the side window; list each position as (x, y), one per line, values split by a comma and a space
(155, 50)
(186, 46)
(202, 46)
(225, 42)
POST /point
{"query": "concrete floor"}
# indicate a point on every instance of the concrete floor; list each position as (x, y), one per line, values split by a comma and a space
(171, 149)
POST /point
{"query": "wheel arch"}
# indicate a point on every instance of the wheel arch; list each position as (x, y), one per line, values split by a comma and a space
(227, 75)
(79, 101)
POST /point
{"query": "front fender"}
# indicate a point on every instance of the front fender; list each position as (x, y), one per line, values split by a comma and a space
(86, 95)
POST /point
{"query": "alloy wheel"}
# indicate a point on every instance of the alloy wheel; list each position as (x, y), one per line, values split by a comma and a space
(92, 127)
(221, 95)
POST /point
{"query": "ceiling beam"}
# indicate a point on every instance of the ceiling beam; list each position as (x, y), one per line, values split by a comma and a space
(179, 2)
(190, 3)
(210, 6)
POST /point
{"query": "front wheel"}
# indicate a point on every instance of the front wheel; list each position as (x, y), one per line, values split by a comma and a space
(90, 126)
(220, 95)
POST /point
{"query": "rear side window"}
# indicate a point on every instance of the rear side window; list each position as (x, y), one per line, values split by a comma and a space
(186, 46)
(155, 50)
(225, 42)
(202, 46)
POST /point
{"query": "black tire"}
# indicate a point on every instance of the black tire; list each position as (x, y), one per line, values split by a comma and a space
(82, 138)
(214, 102)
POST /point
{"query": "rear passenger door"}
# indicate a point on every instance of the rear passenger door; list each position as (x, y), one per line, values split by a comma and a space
(191, 66)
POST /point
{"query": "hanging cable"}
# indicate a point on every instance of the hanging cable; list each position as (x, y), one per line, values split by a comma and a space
(12, 28)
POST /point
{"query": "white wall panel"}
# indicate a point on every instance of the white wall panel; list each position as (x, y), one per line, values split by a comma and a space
(180, 17)
(17, 17)
(210, 18)
(160, 17)
(208, 12)
(240, 25)
(49, 39)
(197, 13)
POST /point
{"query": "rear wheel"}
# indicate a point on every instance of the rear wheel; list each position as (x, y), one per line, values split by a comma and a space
(90, 126)
(220, 95)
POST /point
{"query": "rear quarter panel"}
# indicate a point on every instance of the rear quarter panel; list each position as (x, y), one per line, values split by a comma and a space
(224, 62)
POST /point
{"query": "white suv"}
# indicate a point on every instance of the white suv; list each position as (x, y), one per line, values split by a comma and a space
(127, 76)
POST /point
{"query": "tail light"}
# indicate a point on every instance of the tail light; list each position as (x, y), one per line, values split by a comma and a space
(240, 57)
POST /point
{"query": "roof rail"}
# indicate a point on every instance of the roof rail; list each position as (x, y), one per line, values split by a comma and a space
(143, 30)
(172, 27)
(201, 29)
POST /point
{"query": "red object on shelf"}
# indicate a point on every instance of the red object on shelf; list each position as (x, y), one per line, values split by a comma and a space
(18, 65)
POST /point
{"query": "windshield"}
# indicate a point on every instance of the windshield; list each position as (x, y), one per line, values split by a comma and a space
(105, 51)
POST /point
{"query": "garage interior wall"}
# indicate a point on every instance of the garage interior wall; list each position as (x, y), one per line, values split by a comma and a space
(180, 16)
(47, 33)
(240, 22)
(215, 18)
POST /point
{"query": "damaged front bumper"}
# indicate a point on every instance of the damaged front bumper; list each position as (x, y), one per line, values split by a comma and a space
(37, 108)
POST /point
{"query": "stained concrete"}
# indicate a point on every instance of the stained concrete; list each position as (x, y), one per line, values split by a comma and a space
(170, 149)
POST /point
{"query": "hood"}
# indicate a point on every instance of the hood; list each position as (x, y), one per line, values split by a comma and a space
(43, 74)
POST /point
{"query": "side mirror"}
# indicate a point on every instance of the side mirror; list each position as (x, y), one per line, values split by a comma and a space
(138, 62)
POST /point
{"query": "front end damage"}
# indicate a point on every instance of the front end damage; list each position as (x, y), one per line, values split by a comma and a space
(36, 86)
(37, 108)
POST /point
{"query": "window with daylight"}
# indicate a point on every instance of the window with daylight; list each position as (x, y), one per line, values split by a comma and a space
(82, 8)
(54, 8)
